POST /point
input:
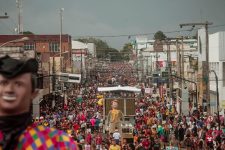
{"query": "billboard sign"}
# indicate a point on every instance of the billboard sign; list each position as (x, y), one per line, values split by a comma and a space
(72, 78)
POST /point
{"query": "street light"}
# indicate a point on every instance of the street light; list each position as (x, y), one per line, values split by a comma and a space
(217, 97)
(16, 40)
(60, 41)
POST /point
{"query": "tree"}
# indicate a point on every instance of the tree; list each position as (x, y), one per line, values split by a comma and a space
(114, 55)
(127, 51)
(27, 32)
(103, 51)
(159, 35)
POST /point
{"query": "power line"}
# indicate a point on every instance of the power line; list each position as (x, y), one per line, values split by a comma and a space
(143, 34)
(127, 35)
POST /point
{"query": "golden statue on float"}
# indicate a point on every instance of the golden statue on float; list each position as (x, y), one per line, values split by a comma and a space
(115, 118)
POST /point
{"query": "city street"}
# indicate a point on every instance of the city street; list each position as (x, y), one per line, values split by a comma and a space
(112, 75)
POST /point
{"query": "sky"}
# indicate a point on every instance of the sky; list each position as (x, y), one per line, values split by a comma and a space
(114, 21)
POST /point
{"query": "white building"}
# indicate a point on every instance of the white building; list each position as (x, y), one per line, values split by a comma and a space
(82, 53)
(217, 63)
(148, 53)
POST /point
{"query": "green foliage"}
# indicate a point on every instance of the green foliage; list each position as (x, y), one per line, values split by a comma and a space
(102, 49)
(126, 51)
(127, 47)
(159, 35)
(114, 55)
(27, 33)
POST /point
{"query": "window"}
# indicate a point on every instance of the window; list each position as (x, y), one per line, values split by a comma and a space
(200, 45)
(29, 46)
(54, 47)
(223, 74)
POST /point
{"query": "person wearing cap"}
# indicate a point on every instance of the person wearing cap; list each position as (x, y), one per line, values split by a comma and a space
(17, 90)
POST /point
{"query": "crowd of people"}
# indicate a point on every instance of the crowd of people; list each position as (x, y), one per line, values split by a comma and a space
(157, 126)
(77, 122)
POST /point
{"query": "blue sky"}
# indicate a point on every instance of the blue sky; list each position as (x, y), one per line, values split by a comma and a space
(119, 18)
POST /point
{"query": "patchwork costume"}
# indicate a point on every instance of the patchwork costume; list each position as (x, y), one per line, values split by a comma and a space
(40, 137)
(22, 134)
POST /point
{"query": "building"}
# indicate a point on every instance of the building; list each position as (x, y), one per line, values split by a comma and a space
(217, 63)
(83, 58)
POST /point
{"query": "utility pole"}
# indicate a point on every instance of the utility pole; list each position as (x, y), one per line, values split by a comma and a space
(81, 65)
(60, 51)
(60, 38)
(205, 64)
(19, 6)
(181, 83)
(169, 69)
(217, 98)
(142, 64)
(53, 81)
(147, 65)
(179, 91)
(151, 64)
(174, 41)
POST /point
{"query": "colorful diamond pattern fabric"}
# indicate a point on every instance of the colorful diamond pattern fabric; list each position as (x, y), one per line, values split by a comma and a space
(45, 138)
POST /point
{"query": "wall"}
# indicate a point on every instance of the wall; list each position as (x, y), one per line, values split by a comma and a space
(222, 46)
(216, 60)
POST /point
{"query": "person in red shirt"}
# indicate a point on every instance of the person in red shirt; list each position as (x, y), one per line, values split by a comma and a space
(146, 143)
(98, 140)
(76, 127)
(209, 139)
(88, 138)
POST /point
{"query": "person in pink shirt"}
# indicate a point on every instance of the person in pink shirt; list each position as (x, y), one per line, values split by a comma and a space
(92, 121)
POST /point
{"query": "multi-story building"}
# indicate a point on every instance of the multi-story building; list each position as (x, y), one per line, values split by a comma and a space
(217, 63)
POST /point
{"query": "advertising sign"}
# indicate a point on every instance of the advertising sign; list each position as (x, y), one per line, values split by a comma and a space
(223, 104)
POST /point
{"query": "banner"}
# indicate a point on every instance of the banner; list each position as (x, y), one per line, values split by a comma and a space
(148, 90)
(223, 104)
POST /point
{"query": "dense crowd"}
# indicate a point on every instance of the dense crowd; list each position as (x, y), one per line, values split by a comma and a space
(157, 123)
